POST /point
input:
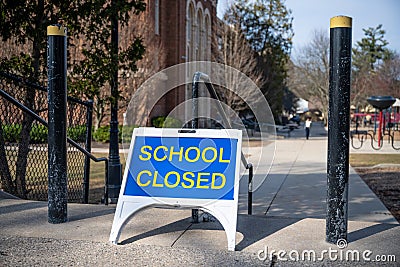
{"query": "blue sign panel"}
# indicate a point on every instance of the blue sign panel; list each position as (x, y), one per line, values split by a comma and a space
(182, 167)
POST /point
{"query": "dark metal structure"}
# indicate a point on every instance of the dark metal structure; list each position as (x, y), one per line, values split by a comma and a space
(12, 111)
(377, 136)
(202, 77)
(57, 124)
(13, 90)
(362, 137)
(339, 127)
(114, 163)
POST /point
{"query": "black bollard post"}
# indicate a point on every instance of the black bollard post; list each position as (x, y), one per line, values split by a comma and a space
(57, 114)
(338, 128)
(114, 162)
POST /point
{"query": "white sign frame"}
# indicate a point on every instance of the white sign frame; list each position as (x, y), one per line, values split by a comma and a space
(224, 210)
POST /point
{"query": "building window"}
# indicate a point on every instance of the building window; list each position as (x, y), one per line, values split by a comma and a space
(190, 28)
(199, 35)
(207, 38)
(157, 17)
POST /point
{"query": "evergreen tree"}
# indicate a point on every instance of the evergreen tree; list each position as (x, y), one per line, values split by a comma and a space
(369, 55)
(267, 26)
(235, 51)
(369, 52)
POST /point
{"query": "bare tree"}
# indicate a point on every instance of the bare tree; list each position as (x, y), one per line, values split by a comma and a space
(389, 76)
(384, 79)
(237, 53)
(375, 68)
(309, 72)
(152, 62)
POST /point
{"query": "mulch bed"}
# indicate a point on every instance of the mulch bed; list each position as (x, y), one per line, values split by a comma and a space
(385, 183)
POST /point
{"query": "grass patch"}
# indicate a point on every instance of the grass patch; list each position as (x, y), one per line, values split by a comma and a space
(368, 160)
(97, 179)
(36, 177)
(37, 174)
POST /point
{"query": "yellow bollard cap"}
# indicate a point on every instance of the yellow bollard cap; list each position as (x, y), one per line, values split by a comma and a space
(57, 30)
(341, 22)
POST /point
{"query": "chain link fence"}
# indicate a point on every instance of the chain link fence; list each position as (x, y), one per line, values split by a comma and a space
(23, 142)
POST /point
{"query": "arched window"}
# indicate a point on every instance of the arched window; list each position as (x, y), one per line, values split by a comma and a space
(190, 31)
(199, 35)
(207, 37)
(190, 49)
(157, 17)
(193, 36)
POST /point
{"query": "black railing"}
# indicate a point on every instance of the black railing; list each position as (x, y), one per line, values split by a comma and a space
(202, 77)
(23, 141)
(376, 130)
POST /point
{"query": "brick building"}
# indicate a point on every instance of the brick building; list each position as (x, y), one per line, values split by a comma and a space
(185, 29)
(180, 30)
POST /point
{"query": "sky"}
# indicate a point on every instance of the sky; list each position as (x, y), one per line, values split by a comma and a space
(310, 15)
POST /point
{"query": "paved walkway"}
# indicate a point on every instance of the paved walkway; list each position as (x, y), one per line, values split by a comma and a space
(289, 214)
(296, 186)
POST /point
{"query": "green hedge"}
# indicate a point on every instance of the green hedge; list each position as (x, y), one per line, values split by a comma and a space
(166, 122)
(11, 132)
(102, 134)
(127, 133)
(77, 133)
(39, 133)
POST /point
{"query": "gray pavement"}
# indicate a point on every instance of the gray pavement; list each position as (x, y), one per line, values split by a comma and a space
(289, 215)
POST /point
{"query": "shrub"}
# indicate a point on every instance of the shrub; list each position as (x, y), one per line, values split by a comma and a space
(11, 132)
(166, 122)
(38, 134)
(127, 133)
(102, 134)
(77, 133)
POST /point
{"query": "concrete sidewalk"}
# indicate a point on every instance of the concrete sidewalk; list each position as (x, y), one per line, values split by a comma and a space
(289, 214)
(296, 186)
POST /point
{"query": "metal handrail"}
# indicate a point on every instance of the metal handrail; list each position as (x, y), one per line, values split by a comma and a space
(195, 87)
(69, 140)
(39, 87)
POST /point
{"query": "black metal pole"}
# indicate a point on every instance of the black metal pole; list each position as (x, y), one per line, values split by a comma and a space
(88, 147)
(195, 123)
(114, 163)
(250, 189)
(195, 100)
(227, 124)
(338, 128)
(57, 114)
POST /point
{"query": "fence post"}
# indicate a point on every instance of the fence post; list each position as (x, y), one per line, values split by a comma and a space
(57, 114)
(338, 128)
(88, 147)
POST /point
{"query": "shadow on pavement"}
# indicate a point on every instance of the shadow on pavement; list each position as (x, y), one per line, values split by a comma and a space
(369, 231)
(253, 229)
(22, 206)
(180, 225)
(90, 214)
